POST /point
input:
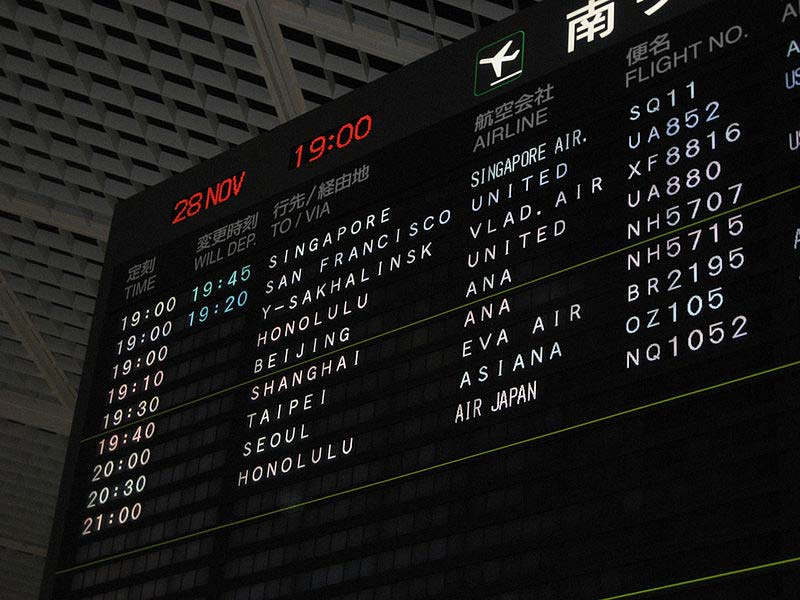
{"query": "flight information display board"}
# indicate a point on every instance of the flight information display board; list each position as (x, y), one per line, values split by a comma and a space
(518, 321)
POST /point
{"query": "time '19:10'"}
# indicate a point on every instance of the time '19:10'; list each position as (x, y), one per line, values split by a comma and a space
(148, 381)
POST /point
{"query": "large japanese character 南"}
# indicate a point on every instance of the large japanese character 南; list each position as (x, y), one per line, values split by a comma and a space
(596, 19)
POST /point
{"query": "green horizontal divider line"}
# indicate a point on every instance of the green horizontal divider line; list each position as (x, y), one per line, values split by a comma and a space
(435, 467)
(772, 565)
(502, 292)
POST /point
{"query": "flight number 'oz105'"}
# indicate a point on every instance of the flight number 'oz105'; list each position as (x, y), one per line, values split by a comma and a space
(694, 307)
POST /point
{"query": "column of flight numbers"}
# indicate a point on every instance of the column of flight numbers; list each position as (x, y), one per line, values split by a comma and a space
(136, 375)
(676, 299)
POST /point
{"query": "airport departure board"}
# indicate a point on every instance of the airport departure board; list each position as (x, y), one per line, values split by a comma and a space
(518, 321)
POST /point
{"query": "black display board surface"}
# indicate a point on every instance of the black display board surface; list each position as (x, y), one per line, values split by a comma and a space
(518, 321)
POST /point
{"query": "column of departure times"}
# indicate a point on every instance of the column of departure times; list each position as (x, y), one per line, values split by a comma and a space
(143, 380)
(136, 374)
